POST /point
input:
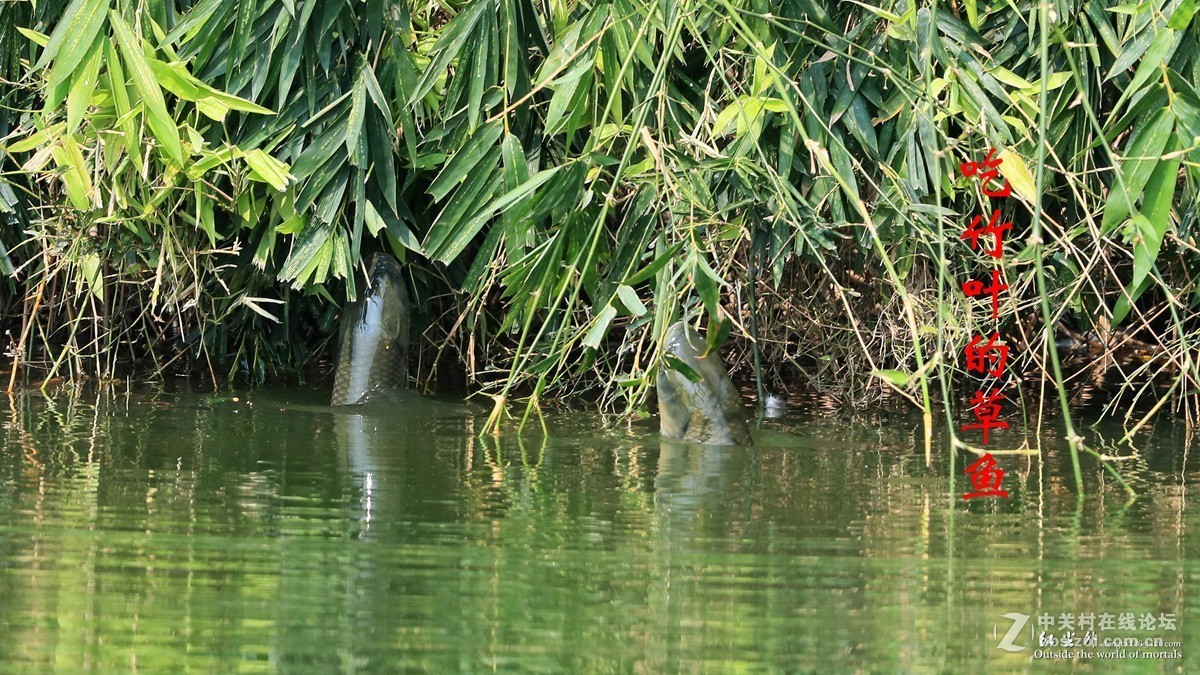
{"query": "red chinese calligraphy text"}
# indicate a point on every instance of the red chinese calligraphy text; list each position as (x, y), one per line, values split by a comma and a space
(987, 173)
(987, 410)
(989, 357)
(974, 232)
(973, 289)
(985, 478)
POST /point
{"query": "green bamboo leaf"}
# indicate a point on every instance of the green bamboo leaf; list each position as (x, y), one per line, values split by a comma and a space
(600, 327)
(76, 176)
(400, 236)
(330, 204)
(157, 118)
(654, 266)
(859, 123)
(898, 378)
(71, 48)
(1151, 225)
(565, 89)
(76, 17)
(1144, 150)
(744, 112)
(508, 199)
(449, 47)
(516, 173)
(175, 78)
(707, 284)
(1157, 54)
(629, 298)
(91, 275)
(243, 20)
(466, 159)
(383, 166)
(479, 72)
(1132, 52)
(374, 221)
(267, 169)
(37, 139)
(463, 217)
(294, 52)
(318, 151)
(355, 133)
(1186, 106)
(179, 83)
(717, 335)
(39, 39)
(204, 217)
(6, 266)
(195, 18)
(1183, 15)
(119, 91)
(675, 363)
(305, 255)
(84, 85)
(376, 93)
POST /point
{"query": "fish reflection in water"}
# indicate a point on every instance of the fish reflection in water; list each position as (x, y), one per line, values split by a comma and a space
(691, 478)
(375, 438)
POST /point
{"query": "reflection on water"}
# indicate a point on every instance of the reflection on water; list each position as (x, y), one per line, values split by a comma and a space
(169, 532)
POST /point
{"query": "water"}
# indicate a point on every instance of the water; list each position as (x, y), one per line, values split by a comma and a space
(177, 531)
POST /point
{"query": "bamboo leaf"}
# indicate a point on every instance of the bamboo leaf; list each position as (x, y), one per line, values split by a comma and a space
(91, 275)
(355, 133)
(465, 160)
(600, 327)
(76, 177)
(119, 91)
(267, 169)
(77, 15)
(37, 138)
(629, 298)
(1151, 225)
(1157, 54)
(306, 253)
(1014, 170)
(1142, 156)
(70, 47)
(675, 363)
(1183, 15)
(449, 47)
(196, 17)
(718, 333)
(252, 304)
(377, 94)
(159, 120)
(175, 78)
(39, 39)
(707, 285)
(897, 378)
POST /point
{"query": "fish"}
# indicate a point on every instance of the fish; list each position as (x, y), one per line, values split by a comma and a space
(701, 406)
(373, 345)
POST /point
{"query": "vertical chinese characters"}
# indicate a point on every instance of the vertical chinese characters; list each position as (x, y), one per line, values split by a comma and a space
(985, 355)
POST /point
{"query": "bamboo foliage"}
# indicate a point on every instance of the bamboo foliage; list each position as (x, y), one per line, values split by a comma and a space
(579, 175)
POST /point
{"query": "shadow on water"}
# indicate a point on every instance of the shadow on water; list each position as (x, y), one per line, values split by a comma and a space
(267, 531)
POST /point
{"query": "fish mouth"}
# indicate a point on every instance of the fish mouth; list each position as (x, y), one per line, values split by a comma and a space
(385, 271)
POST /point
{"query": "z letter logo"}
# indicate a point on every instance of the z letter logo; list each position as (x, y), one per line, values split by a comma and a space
(1019, 621)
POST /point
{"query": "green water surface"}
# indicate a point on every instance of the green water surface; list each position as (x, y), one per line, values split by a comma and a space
(171, 532)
